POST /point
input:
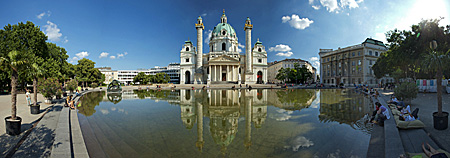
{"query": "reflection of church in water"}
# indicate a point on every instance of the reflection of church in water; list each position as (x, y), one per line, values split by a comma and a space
(223, 108)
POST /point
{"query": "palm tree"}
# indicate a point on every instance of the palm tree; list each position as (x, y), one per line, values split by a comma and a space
(437, 61)
(14, 61)
(36, 72)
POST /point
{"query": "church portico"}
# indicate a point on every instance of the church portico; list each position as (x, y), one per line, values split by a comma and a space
(224, 63)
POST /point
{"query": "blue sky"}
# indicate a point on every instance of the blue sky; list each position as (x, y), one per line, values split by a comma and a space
(144, 34)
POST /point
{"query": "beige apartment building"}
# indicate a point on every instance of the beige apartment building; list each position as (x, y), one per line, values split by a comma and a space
(273, 68)
(351, 65)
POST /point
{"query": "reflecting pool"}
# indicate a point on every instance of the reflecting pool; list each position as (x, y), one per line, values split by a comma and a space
(226, 123)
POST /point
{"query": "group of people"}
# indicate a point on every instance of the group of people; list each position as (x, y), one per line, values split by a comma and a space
(405, 111)
(70, 102)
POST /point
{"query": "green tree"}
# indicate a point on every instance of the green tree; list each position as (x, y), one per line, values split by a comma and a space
(85, 72)
(281, 75)
(406, 91)
(141, 77)
(15, 62)
(17, 42)
(407, 48)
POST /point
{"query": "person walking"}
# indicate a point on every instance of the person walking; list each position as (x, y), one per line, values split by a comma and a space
(28, 97)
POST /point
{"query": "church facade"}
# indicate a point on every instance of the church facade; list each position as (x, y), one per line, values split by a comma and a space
(224, 63)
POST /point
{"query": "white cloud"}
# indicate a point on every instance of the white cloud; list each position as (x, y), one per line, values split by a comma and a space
(52, 31)
(287, 54)
(280, 48)
(285, 19)
(40, 16)
(103, 55)
(73, 59)
(122, 54)
(296, 22)
(209, 33)
(239, 47)
(204, 14)
(112, 57)
(65, 40)
(315, 62)
(350, 3)
(81, 55)
(331, 5)
(334, 6)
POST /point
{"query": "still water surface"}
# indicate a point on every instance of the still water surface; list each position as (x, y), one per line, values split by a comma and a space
(226, 123)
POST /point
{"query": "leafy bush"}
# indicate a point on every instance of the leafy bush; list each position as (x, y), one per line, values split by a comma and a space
(406, 91)
(49, 87)
(94, 85)
(72, 85)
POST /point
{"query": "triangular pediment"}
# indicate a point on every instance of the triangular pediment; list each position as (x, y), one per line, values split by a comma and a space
(224, 58)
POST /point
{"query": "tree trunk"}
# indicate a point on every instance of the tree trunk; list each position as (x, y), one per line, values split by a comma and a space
(35, 90)
(14, 77)
(439, 91)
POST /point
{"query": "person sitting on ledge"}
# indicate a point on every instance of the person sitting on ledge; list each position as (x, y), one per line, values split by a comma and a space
(433, 153)
(381, 115)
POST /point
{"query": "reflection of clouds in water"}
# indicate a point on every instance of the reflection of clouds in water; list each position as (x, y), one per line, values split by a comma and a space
(121, 110)
(298, 142)
(241, 119)
(282, 115)
(104, 111)
(113, 108)
(284, 111)
(315, 104)
(335, 154)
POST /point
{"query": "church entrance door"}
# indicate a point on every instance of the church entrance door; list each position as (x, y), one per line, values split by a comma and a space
(259, 78)
(224, 76)
(188, 77)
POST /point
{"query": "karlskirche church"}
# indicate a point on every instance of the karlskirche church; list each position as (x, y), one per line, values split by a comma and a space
(223, 64)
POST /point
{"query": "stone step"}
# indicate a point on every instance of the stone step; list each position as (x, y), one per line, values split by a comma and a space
(117, 141)
(141, 148)
(106, 146)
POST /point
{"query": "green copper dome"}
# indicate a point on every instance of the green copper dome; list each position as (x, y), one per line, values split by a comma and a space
(227, 27)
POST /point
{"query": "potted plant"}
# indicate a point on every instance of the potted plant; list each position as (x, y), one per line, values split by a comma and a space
(437, 61)
(406, 92)
(48, 88)
(13, 61)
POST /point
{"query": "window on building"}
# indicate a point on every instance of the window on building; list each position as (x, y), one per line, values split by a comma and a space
(359, 53)
(359, 62)
(224, 46)
(212, 48)
(259, 49)
(187, 60)
(353, 63)
(353, 54)
(224, 33)
(207, 70)
(259, 60)
(370, 52)
(376, 53)
(328, 59)
(187, 49)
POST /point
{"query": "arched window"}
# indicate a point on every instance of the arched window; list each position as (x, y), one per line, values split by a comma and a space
(187, 48)
(259, 49)
(224, 32)
(223, 46)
